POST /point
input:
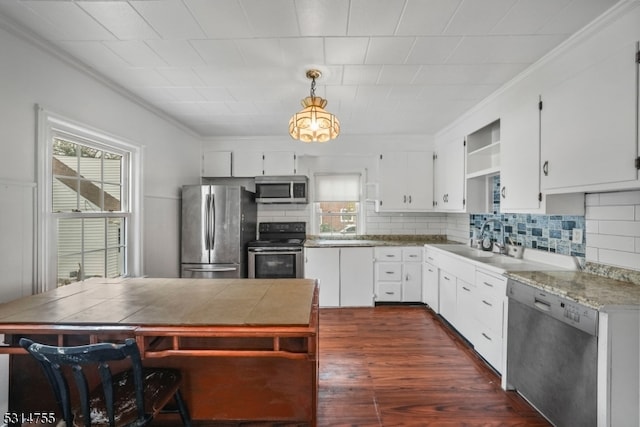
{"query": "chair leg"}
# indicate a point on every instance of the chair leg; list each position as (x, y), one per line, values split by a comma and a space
(182, 409)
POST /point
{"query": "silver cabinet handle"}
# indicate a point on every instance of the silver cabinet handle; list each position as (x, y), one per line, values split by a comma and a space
(487, 336)
(487, 303)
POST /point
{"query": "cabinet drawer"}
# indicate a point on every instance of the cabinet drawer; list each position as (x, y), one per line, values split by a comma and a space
(388, 271)
(430, 255)
(388, 291)
(462, 269)
(489, 345)
(388, 254)
(490, 313)
(490, 284)
(412, 254)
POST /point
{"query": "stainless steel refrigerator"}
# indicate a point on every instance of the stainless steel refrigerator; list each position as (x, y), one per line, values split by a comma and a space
(217, 223)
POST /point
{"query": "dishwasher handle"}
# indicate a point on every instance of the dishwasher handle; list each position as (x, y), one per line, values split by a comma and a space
(542, 305)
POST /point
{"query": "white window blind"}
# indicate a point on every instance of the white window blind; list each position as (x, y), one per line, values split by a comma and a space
(337, 188)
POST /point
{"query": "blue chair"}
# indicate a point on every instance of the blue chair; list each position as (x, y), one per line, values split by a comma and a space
(129, 398)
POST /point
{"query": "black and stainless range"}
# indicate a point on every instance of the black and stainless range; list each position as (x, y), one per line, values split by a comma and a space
(278, 252)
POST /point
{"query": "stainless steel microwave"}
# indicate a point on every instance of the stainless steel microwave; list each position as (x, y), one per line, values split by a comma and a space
(282, 189)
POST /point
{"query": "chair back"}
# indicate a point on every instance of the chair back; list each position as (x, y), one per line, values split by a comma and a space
(53, 358)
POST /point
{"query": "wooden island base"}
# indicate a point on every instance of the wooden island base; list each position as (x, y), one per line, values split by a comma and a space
(247, 366)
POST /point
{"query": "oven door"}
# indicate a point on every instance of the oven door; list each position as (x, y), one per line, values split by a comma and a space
(275, 263)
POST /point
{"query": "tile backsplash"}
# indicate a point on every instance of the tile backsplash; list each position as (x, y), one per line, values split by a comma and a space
(553, 233)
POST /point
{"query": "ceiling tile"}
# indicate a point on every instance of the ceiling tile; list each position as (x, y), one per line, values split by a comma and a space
(426, 17)
(176, 53)
(478, 17)
(218, 52)
(74, 23)
(398, 74)
(215, 94)
(170, 18)
(120, 19)
(94, 54)
(523, 49)
(388, 50)
(322, 17)
(361, 74)
(433, 50)
(181, 76)
(302, 50)
(265, 52)
(346, 50)
(576, 15)
(374, 17)
(185, 94)
(221, 18)
(273, 18)
(135, 53)
(529, 16)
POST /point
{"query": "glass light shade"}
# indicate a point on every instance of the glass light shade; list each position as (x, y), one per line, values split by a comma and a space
(313, 123)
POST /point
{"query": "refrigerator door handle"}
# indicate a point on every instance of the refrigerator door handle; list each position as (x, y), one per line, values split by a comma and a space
(207, 221)
(212, 222)
(211, 270)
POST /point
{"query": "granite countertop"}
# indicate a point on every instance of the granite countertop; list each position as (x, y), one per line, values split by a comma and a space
(590, 289)
(371, 240)
(597, 286)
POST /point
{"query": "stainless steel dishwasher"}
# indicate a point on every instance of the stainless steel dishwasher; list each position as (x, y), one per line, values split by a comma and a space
(552, 354)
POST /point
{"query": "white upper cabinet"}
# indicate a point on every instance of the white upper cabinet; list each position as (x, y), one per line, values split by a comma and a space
(449, 176)
(520, 157)
(216, 164)
(258, 163)
(406, 181)
(247, 163)
(279, 163)
(589, 125)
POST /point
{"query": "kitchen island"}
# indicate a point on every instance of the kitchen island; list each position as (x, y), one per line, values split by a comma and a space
(248, 348)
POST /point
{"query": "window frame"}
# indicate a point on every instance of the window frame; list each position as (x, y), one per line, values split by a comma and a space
(359, 214)
(50, 126)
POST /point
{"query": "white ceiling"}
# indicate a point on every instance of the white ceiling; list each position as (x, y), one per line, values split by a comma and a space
(237, 67)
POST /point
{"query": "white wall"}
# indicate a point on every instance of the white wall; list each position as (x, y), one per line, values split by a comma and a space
(30, 76)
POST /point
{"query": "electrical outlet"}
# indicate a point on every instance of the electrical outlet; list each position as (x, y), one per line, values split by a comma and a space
(577, 235)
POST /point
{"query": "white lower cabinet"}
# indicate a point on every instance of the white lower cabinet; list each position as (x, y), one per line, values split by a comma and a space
(356, 277)
(448, 297)
(472, 300)
(398, 274)
(323, 264)
(489, 315)
(345, 275)
(466, 296)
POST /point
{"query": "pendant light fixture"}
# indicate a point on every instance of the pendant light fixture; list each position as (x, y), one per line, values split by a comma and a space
(313, 123)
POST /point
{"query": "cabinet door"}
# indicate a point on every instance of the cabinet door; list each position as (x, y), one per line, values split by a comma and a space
(247, 163)
(520, 156)
(449, 176)
(412, 282)
(356, 277)
(448, 299)
(279, 163)
(588, 125)
(323, 264)
(419, 178)
(430, 294)
(466, 310)
(216, 164)
(392, 181)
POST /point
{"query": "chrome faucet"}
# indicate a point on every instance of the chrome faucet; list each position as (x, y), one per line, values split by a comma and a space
(502, 246)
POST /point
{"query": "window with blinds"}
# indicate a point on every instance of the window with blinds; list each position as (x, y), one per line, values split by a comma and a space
(337, 204)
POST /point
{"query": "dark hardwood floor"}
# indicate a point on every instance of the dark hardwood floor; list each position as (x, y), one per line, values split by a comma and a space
(402, 366)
